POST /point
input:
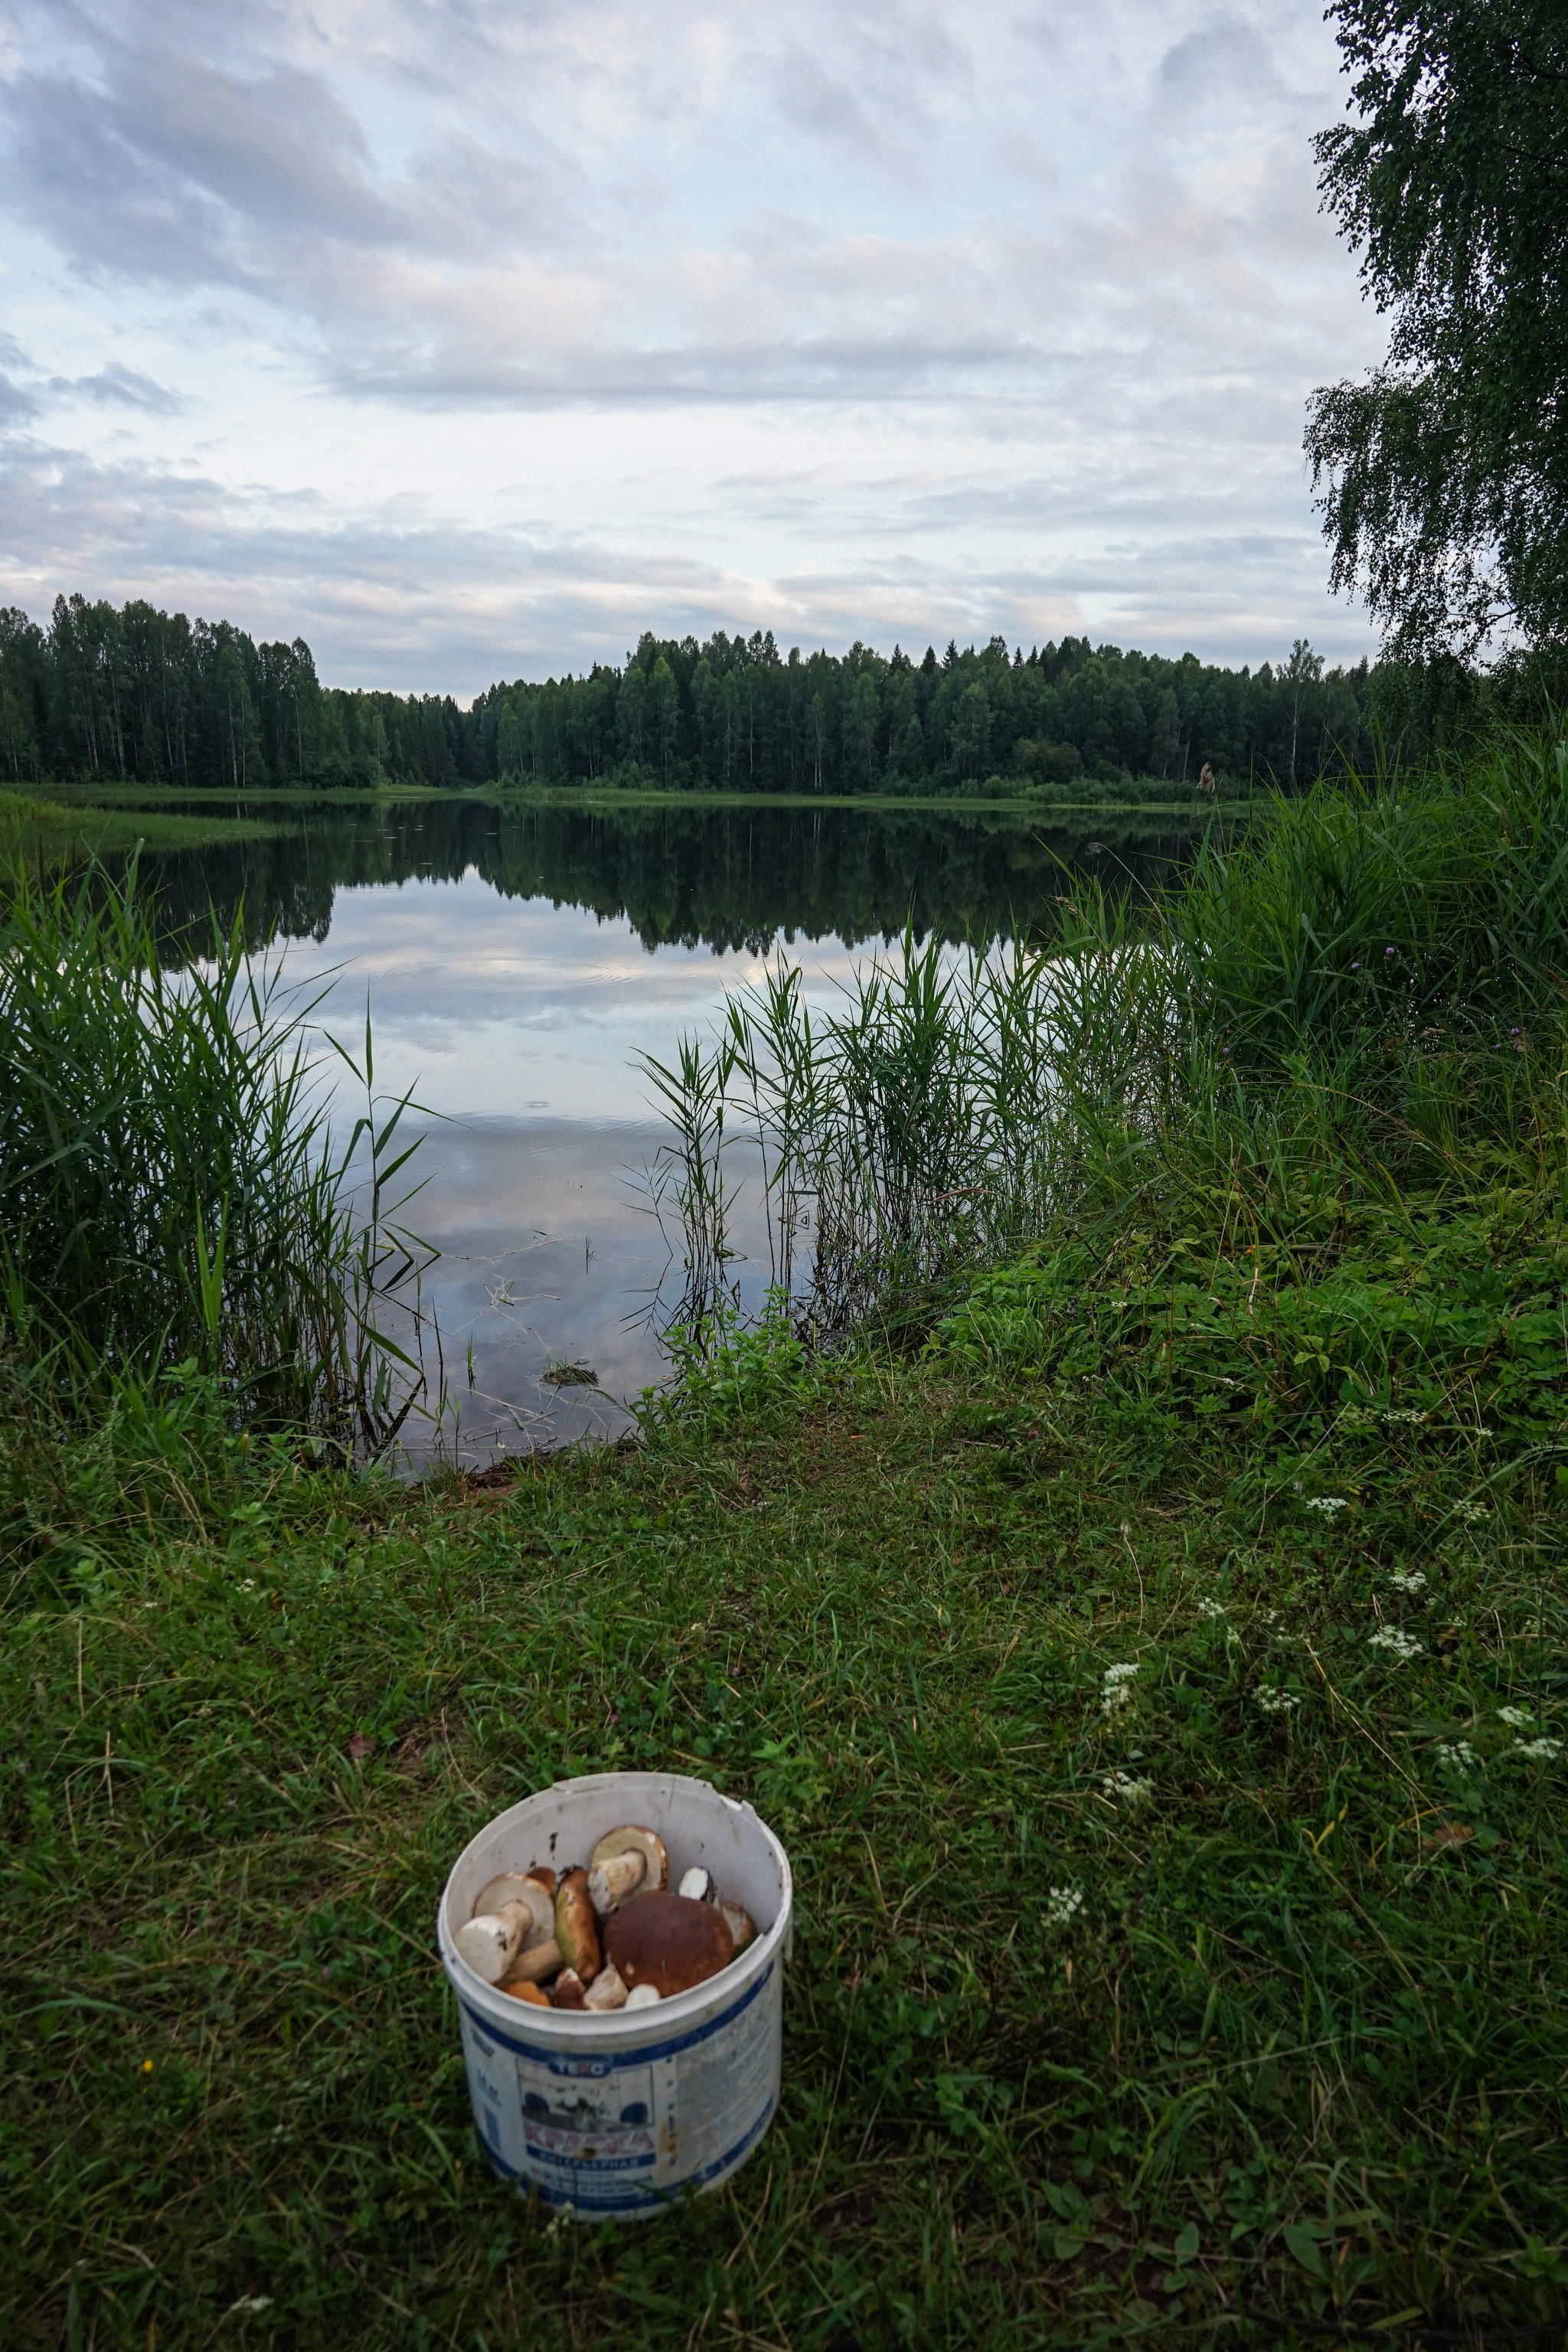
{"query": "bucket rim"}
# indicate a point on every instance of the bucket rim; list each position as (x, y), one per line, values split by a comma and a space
(562, 2028)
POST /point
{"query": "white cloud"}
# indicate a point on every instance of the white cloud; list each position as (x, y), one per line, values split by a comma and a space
(464, 335)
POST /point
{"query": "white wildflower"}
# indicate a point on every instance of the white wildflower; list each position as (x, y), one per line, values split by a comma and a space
(1471, 1513)
(1124, 1785)
(1209, 1607)
(1454, 1752)
(1274, 1701)
(1063, 1906)
(1540, 1751)
(1115, 1688)
(1401, 1646)
(1408, 1579)
(1514, 1716)
(1328, 1504)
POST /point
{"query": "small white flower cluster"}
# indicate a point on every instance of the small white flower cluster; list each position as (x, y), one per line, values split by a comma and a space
(1454, 1752)
(1404, 1412)
(1063, 1906)
(1540, 1751)
(1401, 1646)
(1124, 1785)
(1209, 1607)
(1408, 1579)
(1328, 1504)
(1115, 1688)
(1514, 1716)
(1274, 1701)
(1471, 1513)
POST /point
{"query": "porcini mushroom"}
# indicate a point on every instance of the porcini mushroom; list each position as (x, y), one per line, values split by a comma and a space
(740, 1924)
(626, 1862)
(697, 1885)
(568, 1992)
(664, 1940)
(607, 1990)
(491, 1941)
(513, 1887)
(532, 1965)
(643, 1996)
(533, 1994)
(576, 1929)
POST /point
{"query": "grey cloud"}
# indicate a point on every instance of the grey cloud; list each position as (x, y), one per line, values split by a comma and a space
(873, 88)
(386, 597)
(1098, 300)
(1225, 54)
(16, 400)
(120, 387)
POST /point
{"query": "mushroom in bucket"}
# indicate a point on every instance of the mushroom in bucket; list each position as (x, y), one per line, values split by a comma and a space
(606, 1934)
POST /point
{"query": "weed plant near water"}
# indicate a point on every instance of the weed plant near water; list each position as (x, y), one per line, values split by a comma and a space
(1363, 997)
(170, 1194)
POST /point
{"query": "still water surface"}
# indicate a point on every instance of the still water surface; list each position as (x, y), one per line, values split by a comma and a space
(518, 967)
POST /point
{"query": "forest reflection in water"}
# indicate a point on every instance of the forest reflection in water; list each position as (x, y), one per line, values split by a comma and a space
(734, 877)
(520, 963)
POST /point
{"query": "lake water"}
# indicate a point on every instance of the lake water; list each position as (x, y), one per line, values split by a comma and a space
(521, 965)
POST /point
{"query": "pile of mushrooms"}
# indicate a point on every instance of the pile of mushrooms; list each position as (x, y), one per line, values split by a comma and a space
(607, 1937)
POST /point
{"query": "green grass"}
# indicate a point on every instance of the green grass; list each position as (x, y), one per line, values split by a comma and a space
(1295, 2053)
(1153, 796)
(1158, 1678)
(51, 833)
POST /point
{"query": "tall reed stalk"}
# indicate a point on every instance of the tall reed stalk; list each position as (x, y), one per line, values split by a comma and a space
(171, 1192)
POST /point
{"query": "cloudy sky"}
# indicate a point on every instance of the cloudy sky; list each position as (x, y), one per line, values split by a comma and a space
(468, 338)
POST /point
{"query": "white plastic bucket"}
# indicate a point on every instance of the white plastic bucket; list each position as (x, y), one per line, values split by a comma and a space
(610, 2114)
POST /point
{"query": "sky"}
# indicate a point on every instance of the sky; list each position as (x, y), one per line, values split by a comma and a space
(469, 338)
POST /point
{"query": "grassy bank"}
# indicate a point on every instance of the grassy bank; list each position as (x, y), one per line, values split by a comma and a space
(1186, 2015)
(1157, 1674)
(1153, 796)
(50, 832)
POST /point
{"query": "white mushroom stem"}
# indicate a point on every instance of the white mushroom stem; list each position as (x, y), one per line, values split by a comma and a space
(607, 1990)
(642, 1996)
(611, 1882)
(697, 1885)
(533, 1967)
(490, 1943)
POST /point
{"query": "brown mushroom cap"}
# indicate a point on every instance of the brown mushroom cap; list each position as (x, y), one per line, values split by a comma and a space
(669, 1941)
(567, 1991)
(576, 1928)
(545, 1876)
(631, 1838)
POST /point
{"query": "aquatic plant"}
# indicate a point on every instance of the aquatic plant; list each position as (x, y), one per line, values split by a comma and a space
(171, 1191)
(1362, 996)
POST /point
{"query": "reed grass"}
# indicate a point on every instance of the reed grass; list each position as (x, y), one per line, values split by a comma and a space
(172, 1199)
(1364, 993)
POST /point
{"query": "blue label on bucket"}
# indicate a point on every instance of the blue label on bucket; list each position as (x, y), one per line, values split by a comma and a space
(610, 2131)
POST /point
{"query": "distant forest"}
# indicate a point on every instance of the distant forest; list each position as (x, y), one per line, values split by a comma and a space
(150, 696)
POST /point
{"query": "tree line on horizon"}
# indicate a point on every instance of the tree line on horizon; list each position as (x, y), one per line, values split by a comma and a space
(133, 694)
